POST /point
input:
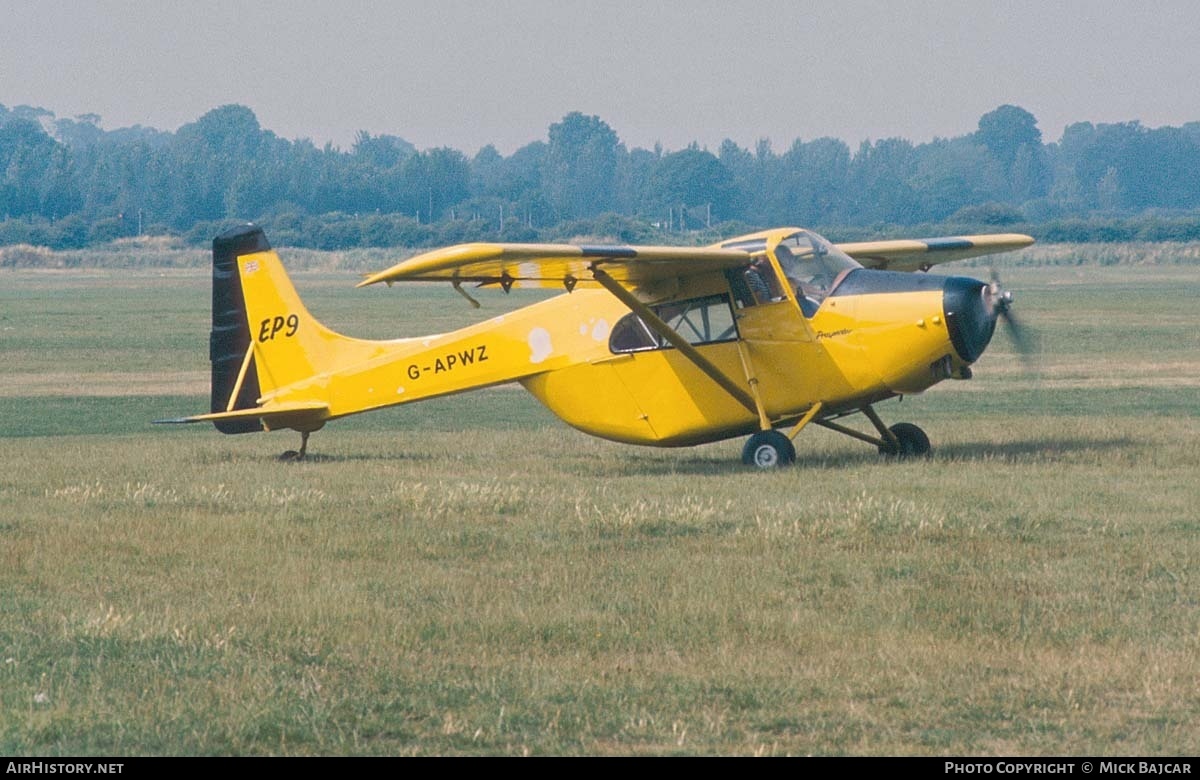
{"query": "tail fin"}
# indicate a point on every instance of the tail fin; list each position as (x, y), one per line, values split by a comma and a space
(263, 338)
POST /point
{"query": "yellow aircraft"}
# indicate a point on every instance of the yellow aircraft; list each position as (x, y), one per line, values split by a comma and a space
(658, 345)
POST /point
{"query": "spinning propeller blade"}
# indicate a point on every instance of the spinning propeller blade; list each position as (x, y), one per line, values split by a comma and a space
(1000, 301)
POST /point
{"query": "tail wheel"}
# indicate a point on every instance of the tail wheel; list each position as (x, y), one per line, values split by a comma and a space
(291, 456)
(768, 449)
(913, 442)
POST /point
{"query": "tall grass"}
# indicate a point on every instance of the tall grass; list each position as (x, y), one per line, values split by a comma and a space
(180, 595)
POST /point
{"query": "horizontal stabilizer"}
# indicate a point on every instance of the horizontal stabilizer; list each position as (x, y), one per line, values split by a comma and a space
(298, 415)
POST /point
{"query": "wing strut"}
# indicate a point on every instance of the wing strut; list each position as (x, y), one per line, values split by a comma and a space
(679, 342)
(764, 422)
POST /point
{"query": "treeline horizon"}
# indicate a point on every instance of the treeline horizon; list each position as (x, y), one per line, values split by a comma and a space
(67, 184)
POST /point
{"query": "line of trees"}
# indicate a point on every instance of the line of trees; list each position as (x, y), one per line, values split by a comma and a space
(67, 183)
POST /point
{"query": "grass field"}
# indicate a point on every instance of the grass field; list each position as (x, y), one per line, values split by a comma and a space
(471, 576)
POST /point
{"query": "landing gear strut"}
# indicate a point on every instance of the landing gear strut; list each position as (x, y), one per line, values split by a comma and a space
(902, 440)
(770, 448)
(294, 455)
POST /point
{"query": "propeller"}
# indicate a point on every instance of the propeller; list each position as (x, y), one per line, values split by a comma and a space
(999, 302)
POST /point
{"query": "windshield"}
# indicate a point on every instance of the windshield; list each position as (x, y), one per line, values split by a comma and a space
(812, 266)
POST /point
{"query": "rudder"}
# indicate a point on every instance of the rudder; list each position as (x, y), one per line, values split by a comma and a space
(229, 341)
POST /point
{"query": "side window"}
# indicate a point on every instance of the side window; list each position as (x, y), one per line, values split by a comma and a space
(701, 320)
(705, 320)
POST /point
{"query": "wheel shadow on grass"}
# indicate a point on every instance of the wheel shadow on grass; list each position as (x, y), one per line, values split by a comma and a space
(636, 464)
(359, 457)
(315, 458)
(1040, 450)
(1026, 451)
(1031, 450)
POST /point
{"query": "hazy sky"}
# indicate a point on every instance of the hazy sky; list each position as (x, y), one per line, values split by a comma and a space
(465, 74)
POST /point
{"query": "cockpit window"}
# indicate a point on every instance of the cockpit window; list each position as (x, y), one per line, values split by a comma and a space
(812, 266)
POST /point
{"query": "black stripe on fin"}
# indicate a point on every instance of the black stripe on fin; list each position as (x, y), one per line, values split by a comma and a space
(229, 339)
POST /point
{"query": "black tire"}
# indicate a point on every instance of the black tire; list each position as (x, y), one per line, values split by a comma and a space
(768, 450)
(913, 442)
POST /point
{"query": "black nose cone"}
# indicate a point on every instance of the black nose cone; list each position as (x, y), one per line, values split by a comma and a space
(969, 318)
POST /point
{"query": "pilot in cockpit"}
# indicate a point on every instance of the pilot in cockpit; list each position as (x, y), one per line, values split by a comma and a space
(757, 276)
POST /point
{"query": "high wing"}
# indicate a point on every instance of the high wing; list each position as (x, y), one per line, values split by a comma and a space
(558, 265)
(923, 253)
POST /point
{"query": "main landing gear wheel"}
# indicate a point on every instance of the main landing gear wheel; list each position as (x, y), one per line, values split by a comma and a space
(768, 449)
(913, 442)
